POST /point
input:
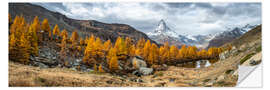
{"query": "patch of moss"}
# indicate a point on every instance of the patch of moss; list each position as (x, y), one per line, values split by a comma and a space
(39, 79)
(258, 49)
(246, 58)
(206, 80)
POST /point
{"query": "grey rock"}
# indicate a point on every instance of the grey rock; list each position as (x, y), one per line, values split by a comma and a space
(164, 65)
(139, 62)
(74, 69)
(210, 83)
(254, 62)
(220, 78)
(145, 71)
(223, 55)
(172, 79)
(41, 65)
(235, 73)
(139, 80)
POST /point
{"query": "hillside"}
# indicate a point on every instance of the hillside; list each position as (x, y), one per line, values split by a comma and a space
(85, 27)
(228, 36)
(253, 36)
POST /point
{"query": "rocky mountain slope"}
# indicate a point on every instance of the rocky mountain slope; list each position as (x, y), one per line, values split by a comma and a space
(227, 36)
(163, 33)
(85, 27)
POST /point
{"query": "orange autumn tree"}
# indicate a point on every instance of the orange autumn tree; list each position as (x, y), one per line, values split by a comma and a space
(46, 28)
(202, 53)
(107, 45)
(81, 41)
(33, 39)
(89, 52)
(132, 51)
(183, 52)
(100, 69)
(146, 49)
(112, 59)
(139, 47)
(20, 47)
(56, 32)
(163, 53)
(192, 52)
(74, 38)
(154, 54)
(64, 33)
(24, 47)
(98, 49)
(37, 28)
(121, 48)
(63, 52)
(173, 52)
(113, 63)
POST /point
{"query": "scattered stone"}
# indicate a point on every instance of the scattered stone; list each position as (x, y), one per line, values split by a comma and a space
(139, 80)
(74, 69)
(223, 55)
(210, 83)
(254, 62)
(109, 82)
(145, 71)
(235, 73)
(42, 66)
(172, 79)
(220, 78)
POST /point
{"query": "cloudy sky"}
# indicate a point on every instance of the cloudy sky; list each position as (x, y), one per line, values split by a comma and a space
(184, 18)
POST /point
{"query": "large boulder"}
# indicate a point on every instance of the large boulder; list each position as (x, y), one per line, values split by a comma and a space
(139, 62)
(145, 71)
(36, 61)
(224, 55)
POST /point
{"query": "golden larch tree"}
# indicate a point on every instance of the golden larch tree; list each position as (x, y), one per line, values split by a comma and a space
(113, 63)
(46, 27)
(100, 69)
(173, 52)
(56, 32)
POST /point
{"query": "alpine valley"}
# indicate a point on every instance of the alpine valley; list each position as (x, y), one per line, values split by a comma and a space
(163, 34)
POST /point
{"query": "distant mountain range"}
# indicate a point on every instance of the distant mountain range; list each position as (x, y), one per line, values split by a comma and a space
(163, 33)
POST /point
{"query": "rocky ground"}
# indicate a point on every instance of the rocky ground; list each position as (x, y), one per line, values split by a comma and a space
(222, 73)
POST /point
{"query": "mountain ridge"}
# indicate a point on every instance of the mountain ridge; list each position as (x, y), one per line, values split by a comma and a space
(163, 34)
(85, 27)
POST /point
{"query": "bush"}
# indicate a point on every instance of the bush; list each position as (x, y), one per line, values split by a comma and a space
(246, 58)
(258, 49)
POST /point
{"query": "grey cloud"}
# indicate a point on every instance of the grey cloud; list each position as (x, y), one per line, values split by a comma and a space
(190, 18)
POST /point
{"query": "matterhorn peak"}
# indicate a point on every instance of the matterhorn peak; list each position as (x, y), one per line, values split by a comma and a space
(162, 27)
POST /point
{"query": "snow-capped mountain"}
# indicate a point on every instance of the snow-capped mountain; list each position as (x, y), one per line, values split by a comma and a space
(226, 36)
(163, 29)
(164, 34)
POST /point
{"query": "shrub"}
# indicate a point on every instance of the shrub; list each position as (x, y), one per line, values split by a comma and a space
(246, 58)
